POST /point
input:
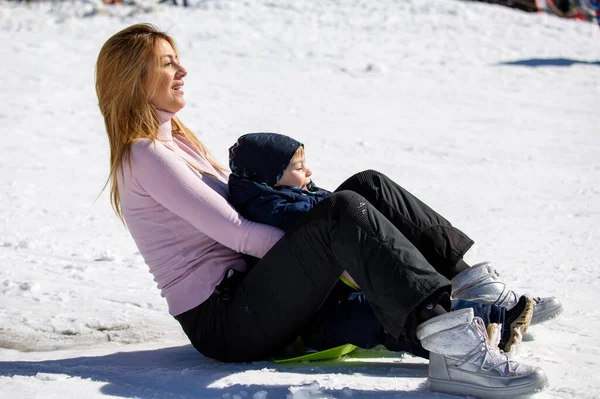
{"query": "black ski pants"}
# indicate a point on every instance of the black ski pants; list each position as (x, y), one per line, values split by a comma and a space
(400, 251)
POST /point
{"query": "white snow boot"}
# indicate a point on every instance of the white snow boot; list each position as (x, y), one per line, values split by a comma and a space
(481, 283)
(463, 362)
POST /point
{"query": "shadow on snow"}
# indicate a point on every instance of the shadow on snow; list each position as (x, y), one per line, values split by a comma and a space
(548, 62)
(182, 372)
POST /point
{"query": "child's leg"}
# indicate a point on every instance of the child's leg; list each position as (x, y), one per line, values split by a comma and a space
(347, 318)
(514, 322)
(488, 312)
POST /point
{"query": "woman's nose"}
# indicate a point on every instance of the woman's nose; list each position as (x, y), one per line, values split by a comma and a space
(181, 71)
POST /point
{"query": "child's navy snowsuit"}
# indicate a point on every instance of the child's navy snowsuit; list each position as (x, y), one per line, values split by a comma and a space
(257, 161)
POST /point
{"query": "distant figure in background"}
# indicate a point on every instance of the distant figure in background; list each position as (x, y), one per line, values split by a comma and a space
(596, 5)
(585, 10)
(525, 5)
(174, 2)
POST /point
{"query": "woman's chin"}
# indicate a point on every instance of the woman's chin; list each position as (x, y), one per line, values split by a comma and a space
(176, 108)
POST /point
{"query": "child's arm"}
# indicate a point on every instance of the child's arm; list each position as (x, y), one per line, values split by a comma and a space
(275, 207)
(278, 210)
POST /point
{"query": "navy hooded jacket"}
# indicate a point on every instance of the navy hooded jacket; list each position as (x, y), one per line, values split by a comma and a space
(257, 161)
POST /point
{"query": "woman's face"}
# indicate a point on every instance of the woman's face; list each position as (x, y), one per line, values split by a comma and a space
(168, 76)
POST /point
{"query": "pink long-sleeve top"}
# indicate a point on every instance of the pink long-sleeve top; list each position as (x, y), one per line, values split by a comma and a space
(181, 221)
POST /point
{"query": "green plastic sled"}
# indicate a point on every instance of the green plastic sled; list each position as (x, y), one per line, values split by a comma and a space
(327, 354)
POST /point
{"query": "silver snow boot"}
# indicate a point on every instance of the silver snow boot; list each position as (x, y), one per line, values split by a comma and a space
(463, 362)
(481, 283)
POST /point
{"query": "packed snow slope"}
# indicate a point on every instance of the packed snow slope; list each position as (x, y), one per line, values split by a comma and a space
(488, 114)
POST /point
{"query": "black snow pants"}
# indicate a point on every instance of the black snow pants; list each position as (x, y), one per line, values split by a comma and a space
(400, 251)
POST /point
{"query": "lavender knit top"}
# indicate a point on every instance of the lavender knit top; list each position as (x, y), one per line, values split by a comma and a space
(181, 221)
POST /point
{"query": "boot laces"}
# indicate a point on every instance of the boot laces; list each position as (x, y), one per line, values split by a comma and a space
(497, 359)
(506, 296)
(506, 292)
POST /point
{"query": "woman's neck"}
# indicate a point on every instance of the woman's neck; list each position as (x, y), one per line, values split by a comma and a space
(164, 125)
(164, 116)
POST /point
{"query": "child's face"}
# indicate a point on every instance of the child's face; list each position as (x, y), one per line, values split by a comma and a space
(297, 174)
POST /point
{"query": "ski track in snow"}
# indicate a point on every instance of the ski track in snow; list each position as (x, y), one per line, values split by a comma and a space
(487, 113)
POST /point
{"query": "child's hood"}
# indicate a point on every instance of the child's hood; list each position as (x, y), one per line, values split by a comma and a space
(262, 157)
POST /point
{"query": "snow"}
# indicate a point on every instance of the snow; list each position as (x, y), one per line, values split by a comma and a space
(489, 114)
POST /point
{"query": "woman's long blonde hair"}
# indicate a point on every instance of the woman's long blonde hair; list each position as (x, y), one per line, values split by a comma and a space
(121, 73)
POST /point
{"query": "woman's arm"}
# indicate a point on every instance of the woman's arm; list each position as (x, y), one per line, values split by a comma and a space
(169, 180)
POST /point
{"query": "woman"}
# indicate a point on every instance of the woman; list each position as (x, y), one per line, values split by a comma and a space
(243, 290)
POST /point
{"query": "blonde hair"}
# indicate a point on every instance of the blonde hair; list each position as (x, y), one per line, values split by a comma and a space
(123, 98)
(299, 152)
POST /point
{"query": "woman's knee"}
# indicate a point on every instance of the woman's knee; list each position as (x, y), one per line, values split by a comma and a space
(346, 199)
(369, 174)
(348, 205)
(361, 180)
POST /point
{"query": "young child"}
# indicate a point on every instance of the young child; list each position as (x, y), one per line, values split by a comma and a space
(271, 183)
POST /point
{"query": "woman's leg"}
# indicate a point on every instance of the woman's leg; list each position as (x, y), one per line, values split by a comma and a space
(440, 243)
(283, 290)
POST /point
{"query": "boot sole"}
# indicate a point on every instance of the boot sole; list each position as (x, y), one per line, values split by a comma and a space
(520, 326)
(540, 318)
(465, 389)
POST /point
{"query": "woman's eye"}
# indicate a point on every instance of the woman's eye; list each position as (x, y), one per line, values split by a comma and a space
(168, 64)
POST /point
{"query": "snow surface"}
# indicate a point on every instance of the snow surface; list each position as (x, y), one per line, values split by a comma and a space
(487, 113)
